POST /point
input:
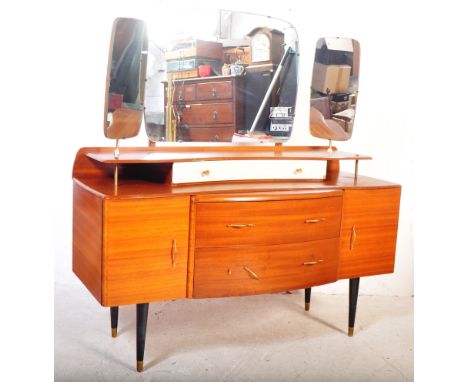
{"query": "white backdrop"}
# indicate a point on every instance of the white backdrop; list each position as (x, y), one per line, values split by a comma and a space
(412, 90)
(381, 128)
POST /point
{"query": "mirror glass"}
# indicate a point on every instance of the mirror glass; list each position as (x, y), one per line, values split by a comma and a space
(217, 76)
(125, 79)
(334, 88)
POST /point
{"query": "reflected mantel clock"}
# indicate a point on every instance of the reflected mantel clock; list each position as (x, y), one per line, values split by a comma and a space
(266, 47)
(177, 221)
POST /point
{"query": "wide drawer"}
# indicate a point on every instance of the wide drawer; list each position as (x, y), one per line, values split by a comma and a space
(207, 114)
(236, 271)
(221, 224)
(210, 134)
(209, 91)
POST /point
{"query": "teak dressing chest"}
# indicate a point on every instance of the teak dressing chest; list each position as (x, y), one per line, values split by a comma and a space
(251, 216)
(140, 238)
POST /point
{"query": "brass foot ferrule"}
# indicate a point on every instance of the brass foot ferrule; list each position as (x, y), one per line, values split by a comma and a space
(307, 306)
(139, 366)
(114, 332)
(350, 331)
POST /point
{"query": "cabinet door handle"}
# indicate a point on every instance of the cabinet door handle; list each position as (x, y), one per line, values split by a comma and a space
(353, 237)
(214, 115)
(239, 225)
(251, 273)
(298, 171)
(213, 92)
(205, 173)
(313, 262)
(311, 221)
(174, 253)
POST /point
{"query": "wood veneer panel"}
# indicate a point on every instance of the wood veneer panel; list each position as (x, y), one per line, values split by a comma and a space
(158, 154)
(268, 222)
(374, 216)
(87, 239)
(138, 252)
(138, 188)
(221, 272)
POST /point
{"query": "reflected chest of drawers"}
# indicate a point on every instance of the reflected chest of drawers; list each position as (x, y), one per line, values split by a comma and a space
(144, 239)
(210, 109)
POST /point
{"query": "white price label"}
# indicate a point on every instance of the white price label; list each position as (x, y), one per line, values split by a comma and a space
(280, 127)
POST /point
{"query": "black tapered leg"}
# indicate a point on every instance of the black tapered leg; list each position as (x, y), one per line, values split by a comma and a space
(353, 296)
(307, 298)
(142, 319)
(114, 311)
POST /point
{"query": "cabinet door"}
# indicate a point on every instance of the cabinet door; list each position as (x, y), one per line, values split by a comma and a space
(368, 232)
(145, 250)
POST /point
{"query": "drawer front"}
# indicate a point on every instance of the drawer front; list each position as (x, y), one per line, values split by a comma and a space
(267, 222)
(184, 93)
(208, 114)
(210, 91)
(226, 170)
(211, 134)
(145, 251)
(369, 232)
(236, 271)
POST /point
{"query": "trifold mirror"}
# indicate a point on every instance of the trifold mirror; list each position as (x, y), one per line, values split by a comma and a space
(334, 88)
(204, 76)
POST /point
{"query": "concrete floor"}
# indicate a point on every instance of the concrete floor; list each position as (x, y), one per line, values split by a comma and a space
(257, 338)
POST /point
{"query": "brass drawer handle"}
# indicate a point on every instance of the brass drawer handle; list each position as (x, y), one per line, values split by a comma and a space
(214, 115)
(239, 225)
(174, 253)
(205, 173)
(353, 237)
(213, 92)
(311, 221)
(251, 273)
(298, 171)
(313, 262)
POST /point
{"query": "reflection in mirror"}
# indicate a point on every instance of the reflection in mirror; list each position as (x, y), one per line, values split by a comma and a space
(125, 79)
(217, 76)
(334, 89)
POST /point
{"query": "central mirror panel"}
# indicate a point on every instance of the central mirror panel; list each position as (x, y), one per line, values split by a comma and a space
(220, 76)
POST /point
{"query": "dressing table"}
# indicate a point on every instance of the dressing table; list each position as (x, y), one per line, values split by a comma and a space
(170, 222)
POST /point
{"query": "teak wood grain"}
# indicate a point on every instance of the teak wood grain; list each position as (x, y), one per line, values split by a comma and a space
(368, 232)
(246, 270)
(193, 152)
(140, 263)
(267, 222)
(87, 239)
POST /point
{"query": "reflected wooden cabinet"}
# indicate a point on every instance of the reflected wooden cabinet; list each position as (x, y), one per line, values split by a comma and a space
(210, 109)
(143, 239)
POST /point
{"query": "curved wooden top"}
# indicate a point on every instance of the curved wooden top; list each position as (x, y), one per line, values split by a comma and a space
(145, 171)
(191, 154)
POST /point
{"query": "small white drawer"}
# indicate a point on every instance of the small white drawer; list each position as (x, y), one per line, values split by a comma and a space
(225, 170)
